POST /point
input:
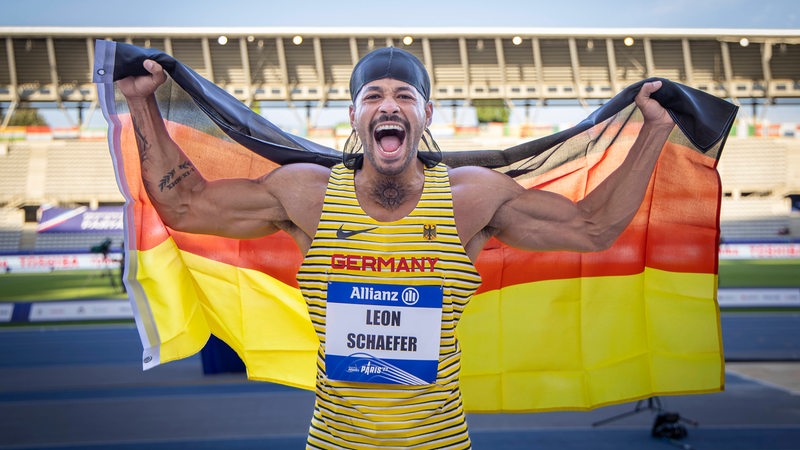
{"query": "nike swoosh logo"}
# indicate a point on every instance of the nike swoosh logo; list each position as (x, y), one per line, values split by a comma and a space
(341, 233)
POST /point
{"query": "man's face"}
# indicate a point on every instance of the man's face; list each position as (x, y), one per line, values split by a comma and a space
(389, 117)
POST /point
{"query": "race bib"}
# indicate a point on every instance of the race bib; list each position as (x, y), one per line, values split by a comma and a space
(383, 333)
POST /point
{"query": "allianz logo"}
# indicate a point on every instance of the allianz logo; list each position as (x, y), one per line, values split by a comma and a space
(409, 295)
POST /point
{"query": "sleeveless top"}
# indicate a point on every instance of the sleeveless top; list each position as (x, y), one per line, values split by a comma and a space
(355, 278)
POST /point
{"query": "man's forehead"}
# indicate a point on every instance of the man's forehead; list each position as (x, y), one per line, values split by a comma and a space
(390, 84)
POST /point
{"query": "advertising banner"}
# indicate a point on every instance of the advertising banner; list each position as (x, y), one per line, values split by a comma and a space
(82, 218)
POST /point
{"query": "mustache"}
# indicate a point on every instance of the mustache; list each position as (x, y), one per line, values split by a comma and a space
(388, 118)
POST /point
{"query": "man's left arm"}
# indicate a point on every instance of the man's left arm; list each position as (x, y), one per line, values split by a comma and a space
(537, 220)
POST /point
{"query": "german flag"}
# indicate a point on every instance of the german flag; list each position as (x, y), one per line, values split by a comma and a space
(546, 331)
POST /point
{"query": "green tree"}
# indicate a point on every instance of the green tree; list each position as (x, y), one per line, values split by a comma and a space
(26, 117)
(491, 111)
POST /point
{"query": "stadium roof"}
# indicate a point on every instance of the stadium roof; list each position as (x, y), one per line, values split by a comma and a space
(311, 66)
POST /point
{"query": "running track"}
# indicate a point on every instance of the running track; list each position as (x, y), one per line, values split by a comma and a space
(82, 387)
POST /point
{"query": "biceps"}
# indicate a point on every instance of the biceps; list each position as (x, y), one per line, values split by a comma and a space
(542, 221)
(232, 208)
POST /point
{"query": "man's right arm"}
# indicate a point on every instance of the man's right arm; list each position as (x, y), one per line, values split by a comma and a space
(185, 201)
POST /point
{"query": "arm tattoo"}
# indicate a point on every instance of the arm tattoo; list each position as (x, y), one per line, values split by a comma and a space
(141, 139)
(170, 180)
(165, 180)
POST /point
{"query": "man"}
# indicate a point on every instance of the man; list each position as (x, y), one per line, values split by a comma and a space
(391, 225)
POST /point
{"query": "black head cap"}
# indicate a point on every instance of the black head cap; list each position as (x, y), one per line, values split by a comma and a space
(390, 62)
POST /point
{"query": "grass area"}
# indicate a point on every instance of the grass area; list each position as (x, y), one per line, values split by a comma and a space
(60, 285)
(773, 273)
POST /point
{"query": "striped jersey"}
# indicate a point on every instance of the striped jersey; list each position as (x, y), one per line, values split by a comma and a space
(385, 299)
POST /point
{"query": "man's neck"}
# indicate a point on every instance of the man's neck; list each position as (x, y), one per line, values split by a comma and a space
(389, 197)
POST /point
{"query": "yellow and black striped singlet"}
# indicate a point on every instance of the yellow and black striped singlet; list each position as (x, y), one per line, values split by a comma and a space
(357, 415)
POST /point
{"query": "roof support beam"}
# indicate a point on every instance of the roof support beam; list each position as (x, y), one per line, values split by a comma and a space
(284, 68)
(537, 63)
(612, 65)
(168, 45)
(649, 61)
(727, 70)
(207, 59)
(93, 104)
(576, 69)
(428, 59)
(354, 56)
(248, 77)
(462, 51)
(12, 74)
(320, 64)
(688, 66)
(51, 59)
(323, 86)
(501, 61)
(766, 57)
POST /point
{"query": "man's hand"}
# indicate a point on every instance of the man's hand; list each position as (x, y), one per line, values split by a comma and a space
(652, 111)
(145, 85)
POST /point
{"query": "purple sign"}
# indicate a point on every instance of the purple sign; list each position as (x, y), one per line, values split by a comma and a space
(102, 219)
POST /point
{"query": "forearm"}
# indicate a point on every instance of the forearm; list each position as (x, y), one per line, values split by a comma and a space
(611, 206)
(167, 173)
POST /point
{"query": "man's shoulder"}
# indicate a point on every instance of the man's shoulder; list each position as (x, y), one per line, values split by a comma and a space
(302, 172)
(471, 182)
(298, 176)
(474, 176)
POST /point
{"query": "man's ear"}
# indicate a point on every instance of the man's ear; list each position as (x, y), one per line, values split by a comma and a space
(428, 114)
(352, 114)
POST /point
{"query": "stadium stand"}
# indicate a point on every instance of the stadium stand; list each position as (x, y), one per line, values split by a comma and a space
(754, 165)
(79, 242)
(77, 168)
(54, 172)
(309, 69)
(755, 219)
(13, 174)
(57, 171)
(11, 222)
(757, 176)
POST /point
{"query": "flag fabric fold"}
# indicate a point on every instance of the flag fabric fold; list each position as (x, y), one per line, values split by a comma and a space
(546, 331)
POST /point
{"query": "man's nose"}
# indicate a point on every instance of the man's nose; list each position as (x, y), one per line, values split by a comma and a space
(389, 106)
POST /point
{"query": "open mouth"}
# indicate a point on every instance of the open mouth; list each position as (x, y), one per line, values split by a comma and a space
(390, 137)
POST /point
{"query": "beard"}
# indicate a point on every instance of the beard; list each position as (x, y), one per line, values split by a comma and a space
(411, 152)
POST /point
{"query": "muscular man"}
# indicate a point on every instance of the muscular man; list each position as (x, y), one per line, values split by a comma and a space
(391, 225)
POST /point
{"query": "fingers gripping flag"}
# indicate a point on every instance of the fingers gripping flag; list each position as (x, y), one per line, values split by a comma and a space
(546, 331)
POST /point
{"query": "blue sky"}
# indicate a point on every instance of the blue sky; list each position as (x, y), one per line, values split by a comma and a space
(766, 14)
